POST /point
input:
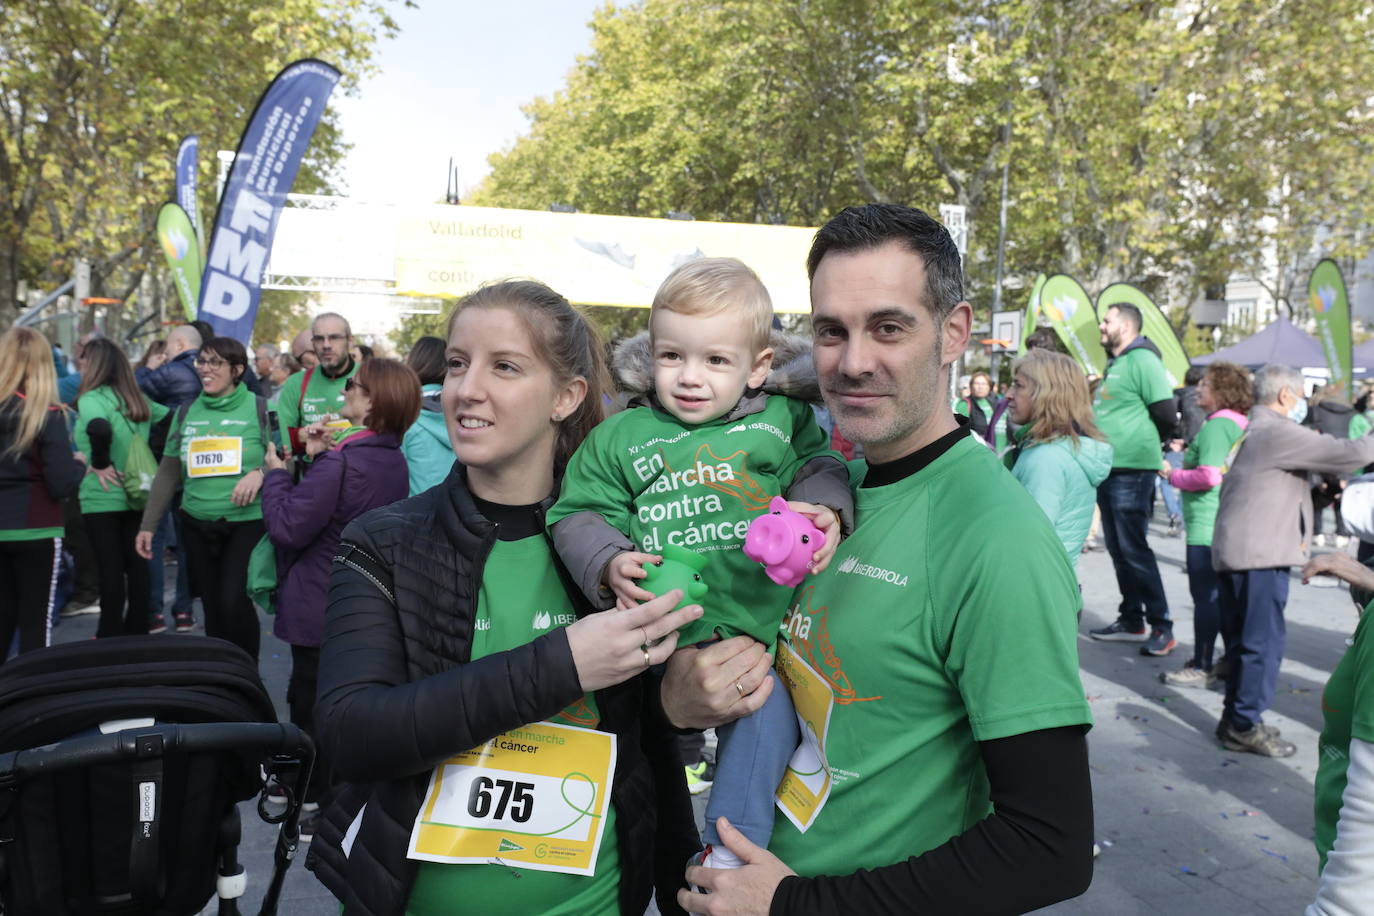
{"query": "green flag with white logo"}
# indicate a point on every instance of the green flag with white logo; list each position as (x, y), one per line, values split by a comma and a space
(1330, 307)
(1032, 313)
(177, 237)
(1070, 312)
(1153, 325)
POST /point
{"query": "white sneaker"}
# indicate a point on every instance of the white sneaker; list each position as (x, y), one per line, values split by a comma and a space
(71, 609)
(1189, 676)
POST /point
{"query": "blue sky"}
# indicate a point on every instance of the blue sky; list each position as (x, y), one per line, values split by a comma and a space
(452, 84)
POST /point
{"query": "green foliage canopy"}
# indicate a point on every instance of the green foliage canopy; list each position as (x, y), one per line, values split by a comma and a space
(96, 94)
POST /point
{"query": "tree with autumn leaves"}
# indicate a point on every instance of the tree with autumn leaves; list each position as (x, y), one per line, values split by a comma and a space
(1187, 140)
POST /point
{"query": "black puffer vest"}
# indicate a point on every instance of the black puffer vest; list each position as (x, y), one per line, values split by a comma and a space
(394, 673)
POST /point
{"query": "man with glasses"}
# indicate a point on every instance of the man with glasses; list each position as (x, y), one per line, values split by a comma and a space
(316, 394)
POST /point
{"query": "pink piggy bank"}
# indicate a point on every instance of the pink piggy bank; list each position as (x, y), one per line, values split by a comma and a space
(784, 542)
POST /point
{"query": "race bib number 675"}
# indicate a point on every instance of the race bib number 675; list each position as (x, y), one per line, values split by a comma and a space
(535, 797)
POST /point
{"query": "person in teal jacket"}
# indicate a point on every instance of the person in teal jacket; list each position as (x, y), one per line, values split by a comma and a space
(426, 446)
(1060, 455)
(112, 412)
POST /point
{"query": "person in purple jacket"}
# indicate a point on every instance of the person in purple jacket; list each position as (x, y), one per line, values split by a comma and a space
(362, 470)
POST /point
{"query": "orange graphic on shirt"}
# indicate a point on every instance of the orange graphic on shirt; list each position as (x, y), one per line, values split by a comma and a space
(579, 714)
(741, 486)
(808, 629)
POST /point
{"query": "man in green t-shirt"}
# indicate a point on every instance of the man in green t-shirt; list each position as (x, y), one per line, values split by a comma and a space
(945, 663)
(317, 394)
(1134, 407)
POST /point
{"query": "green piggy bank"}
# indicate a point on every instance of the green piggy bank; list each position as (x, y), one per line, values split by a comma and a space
(681, 568)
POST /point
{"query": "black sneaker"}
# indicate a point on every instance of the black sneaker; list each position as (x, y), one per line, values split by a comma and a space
(185, 622)
(1262, 739)
(1120, 632)
(1160, 643)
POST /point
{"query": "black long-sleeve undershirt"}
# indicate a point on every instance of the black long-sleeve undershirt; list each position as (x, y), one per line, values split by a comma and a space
(101, 434)
(1033, 850)
(1164, 415)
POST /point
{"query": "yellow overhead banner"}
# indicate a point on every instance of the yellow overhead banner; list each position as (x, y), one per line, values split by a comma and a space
(448, 251)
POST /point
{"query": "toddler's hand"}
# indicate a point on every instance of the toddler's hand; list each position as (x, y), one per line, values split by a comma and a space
(826, 519)
(622, 576)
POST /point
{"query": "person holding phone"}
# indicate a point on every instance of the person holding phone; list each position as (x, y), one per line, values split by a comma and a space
(364, 470)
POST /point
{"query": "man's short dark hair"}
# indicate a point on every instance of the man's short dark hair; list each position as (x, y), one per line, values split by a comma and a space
(1129, 312)
(874, 225)
(1194, 375)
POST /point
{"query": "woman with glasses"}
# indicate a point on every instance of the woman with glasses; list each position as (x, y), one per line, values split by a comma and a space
(215, 448)
(364, 469)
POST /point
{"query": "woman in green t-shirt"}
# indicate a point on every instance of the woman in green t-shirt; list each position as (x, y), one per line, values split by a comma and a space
(215, 449)
(1225, 395)
(468, 696)
(111, 413)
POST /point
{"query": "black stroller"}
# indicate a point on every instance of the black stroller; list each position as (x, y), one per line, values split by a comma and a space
(122, 762)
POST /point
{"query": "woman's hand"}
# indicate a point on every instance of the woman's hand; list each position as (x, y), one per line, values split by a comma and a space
(108, 476)
(826, 519)
(1165, 469)
(611, 647)
(143, 544)
(318, 438)
(271, 458)
(246, 490)
(703, 688)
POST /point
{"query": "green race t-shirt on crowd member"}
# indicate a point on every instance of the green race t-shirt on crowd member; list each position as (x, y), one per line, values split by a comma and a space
(1347, 712)
(103, 404)
(931, 643)
(1134, 379)
(987, 407)
(219, 442)
(527, 607)
(662, 482)
(1211, 447)
(323, 396)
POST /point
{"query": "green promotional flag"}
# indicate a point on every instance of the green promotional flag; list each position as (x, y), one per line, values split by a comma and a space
(1331, 308)
(1032, 314)
(1153, 325)
(178, 239)
(1071, 314)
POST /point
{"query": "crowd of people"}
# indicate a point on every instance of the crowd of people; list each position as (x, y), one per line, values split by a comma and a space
(459, 549)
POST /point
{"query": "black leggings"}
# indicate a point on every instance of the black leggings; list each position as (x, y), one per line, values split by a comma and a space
(123, 573)
(300, 700)
(217, 556)
(28, 570)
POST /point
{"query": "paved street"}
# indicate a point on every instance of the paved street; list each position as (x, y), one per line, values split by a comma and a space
(1184, 826)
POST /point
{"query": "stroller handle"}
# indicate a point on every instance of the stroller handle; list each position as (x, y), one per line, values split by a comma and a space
(277, 738)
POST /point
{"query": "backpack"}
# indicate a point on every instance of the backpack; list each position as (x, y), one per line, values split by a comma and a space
(140, 467)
